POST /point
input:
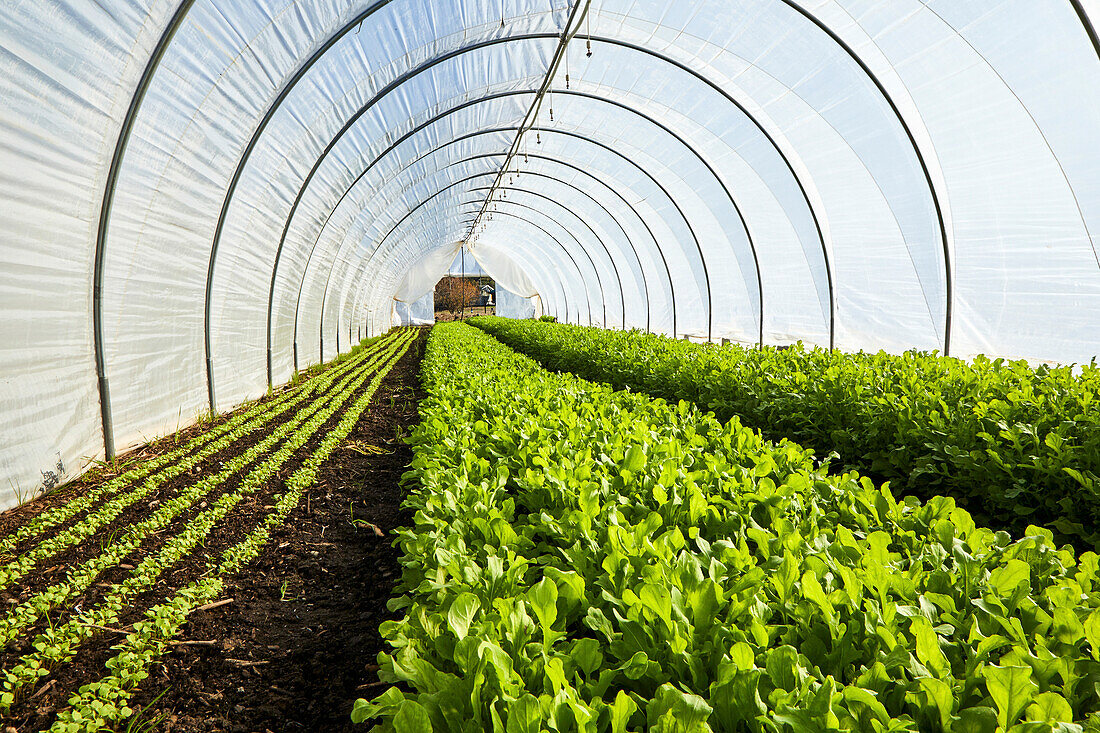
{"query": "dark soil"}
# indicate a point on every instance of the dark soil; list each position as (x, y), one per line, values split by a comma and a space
(301, 633)
(103, 471)
(299, 642)
(446, 316)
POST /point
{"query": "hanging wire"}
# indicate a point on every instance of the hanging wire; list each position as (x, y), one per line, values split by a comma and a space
(567, 68)
(588, 24)
(578, 13)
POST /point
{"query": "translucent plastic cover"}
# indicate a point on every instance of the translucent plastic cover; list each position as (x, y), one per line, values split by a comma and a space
(199, 197)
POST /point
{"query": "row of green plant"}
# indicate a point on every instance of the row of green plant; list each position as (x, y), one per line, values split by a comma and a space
(586, 559)
(1019, 444)
(104, 703)
(107, 512)
(59, 644)
(242, 423)
(115, 549)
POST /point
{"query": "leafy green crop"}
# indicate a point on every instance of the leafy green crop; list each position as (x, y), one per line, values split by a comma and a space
(591, 560)
(1019, 445)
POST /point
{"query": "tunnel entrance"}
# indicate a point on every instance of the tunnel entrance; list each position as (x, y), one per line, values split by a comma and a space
(458, 298)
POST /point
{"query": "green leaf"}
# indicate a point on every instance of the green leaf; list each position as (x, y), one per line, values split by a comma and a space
(1067, 627)
(658, 600)
(742, 657)
(544, 602)
(634, 460)
(524, 715)
(461, 614)
(412, 718)
(621, 711)
(975, 720)
(674, 711)
(1011, 689)
(783, 668)
(812, 591)
(387, 702)
(636, 667)
(865, 707)
(571, 588)
(1050, 707)
(785, 576)
(928, 647)
(586, 655)
(1092, 633)
(1004, 579)
(939, 701)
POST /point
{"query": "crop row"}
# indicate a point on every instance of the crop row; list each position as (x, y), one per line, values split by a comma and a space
(58, 644)
(1020, 443)
(109, 511)
(592, 560)
(78, 580)
(103, 703)
(217, 438)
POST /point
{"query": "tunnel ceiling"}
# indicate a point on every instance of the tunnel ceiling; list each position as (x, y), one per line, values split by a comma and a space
(199, 198)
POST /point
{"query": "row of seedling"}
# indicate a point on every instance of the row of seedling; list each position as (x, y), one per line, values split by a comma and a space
(106, 702)
(193, 452)
(59, 644)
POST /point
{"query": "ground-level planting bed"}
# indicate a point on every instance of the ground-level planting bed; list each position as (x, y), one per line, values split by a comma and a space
(110, 591)
(1015, 444)
(597, 560)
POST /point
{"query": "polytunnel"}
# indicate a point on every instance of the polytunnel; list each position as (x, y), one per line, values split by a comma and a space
(199, 198)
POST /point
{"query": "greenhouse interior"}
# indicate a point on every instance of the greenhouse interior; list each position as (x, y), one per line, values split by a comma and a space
(550, 365)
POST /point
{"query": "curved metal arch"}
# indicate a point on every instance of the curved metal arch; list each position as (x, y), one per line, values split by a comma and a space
(641, 268)
(154, 62)
(615, 42)
(125, 132)
(490, 42)
(607, 251)
(579, 190)
(591, 262)
(660, 251)
(1086, 21)
(590, 197)
(570, 211)
(243, 162)
(382, 242)
(231, 191)
(365, 267)
(328, 279)
(614, 218)
(500, 95)
(694, 235)
(123, 142)
(647, 118)
(588, 299)
(949, 266)
(622, 294)
(706, 163)
(560, 281)
(440, 192)
(682, 67)
(829, 276)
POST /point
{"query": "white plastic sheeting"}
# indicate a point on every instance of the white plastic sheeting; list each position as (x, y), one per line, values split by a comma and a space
(466, 266)
(418, 313)
(887, 174)
(510, 305)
